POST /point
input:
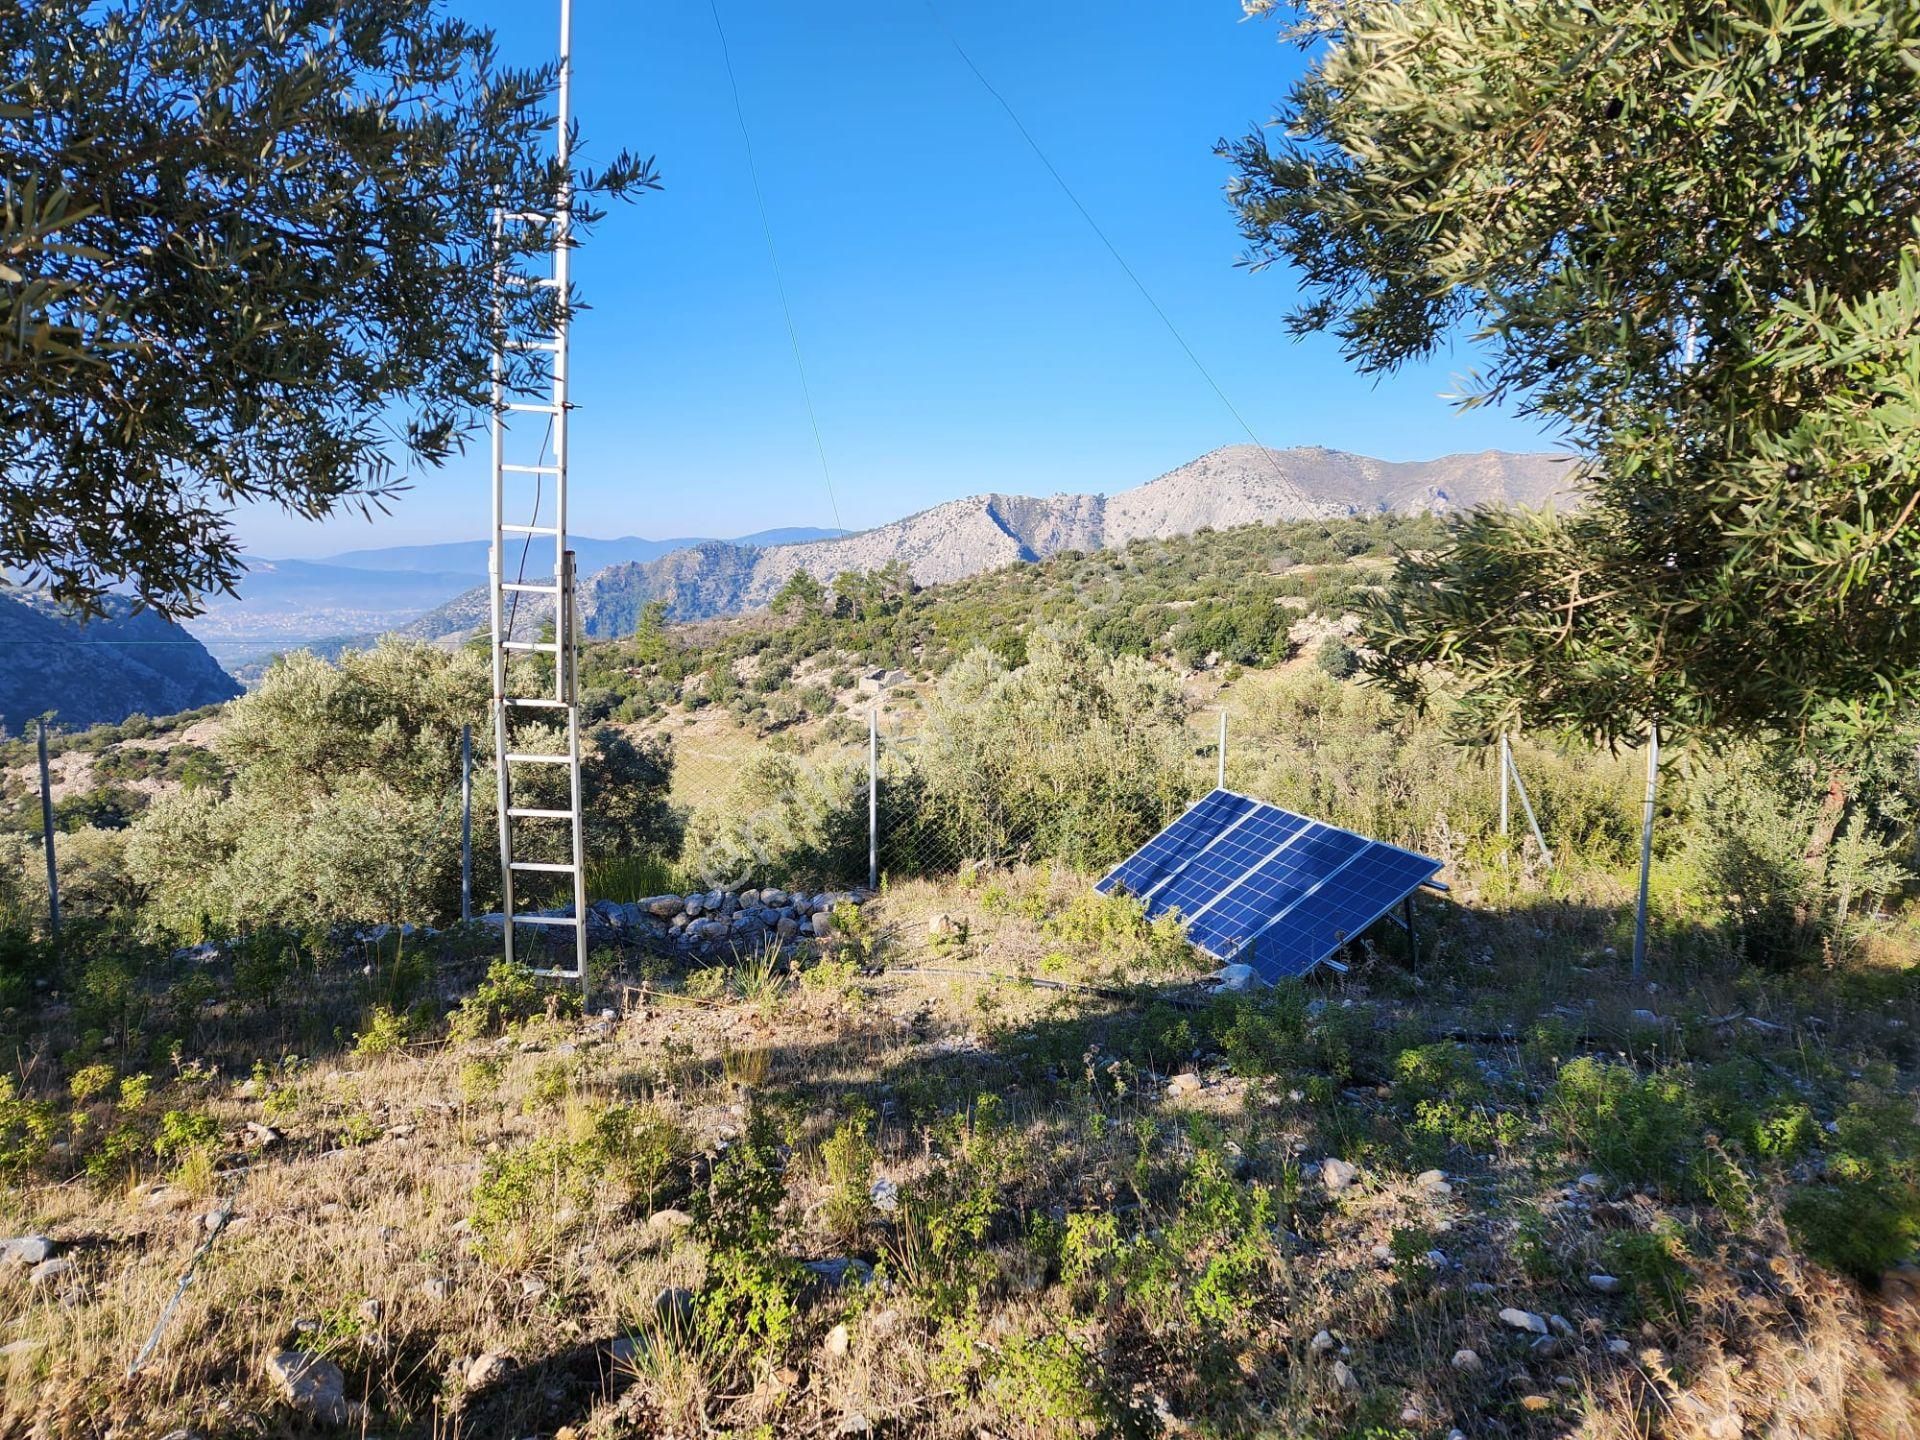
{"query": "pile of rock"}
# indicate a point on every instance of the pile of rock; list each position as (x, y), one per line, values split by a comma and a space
(716, 919)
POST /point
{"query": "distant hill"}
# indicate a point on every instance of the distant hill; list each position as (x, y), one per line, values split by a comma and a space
(1237, 485)
(295, 604)
(469, 557)
(125, 662)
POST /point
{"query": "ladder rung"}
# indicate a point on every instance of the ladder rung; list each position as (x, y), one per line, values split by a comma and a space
(521, 407)
(556, 974)
(539, 759)
(548, 346)
(545, 920)
(529, 529)
(516, 814)
(545, 867)
(529, 702)
(531, 469)
(521, 587)
(528, 217)
(550, 647)
(532, 282)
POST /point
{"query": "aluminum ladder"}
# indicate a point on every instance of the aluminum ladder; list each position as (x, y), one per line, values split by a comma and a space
(557, 705)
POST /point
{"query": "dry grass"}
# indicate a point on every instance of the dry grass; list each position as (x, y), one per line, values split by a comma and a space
(366, 1251)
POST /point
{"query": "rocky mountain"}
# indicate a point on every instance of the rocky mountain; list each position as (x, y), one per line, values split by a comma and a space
(124, 662)
(1237, 485)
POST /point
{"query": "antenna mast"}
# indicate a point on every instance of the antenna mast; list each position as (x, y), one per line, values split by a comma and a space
(521, 702)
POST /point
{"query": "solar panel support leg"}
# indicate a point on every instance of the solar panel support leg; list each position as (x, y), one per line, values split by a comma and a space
(1413, 935)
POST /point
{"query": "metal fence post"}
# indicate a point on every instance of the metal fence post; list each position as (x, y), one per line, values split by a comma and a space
(1223, 748)
(873, 797)
(1506, 781)
(466, 824)
(1646, 847)
(46, 820)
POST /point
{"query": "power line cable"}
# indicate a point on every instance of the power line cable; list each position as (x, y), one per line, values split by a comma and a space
(1112, 249)
(773, 257)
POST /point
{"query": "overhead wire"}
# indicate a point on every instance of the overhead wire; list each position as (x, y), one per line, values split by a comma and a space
(1105, 239)
(773, 258)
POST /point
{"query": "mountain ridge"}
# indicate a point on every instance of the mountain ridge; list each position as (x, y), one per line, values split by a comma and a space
(1233, 485)
(99, 671)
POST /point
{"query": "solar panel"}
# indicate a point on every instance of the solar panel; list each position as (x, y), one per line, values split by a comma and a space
(1265, 887)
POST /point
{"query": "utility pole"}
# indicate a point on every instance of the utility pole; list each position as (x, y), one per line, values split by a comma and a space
(46, 821)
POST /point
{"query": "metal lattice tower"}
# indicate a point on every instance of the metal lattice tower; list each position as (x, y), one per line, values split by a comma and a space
(517, 483)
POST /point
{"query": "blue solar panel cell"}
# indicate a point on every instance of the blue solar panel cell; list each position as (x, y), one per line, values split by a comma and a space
(1216, 870)
(1262, 885)
(1155, 862)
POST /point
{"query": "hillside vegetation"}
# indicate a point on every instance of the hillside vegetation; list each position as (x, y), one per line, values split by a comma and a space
(983, 1157)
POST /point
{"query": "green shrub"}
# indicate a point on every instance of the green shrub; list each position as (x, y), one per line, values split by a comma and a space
(1653, 1263)
(1641, 1129)
(849, 1157)
(509, 995)
(749, 1300)
(522, 1193)
(385, 1032)
(27, 1129)
(1863, 1227)
(642, 1147)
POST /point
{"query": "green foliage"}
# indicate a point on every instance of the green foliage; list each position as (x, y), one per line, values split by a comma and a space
(27, 1128)
(183, 1132)
(1076, 755)
(1642, 1129)
(1336, 659)
(643, 1148)
(848, 1157)
(1536, 174)
(250, 319)
(510, 994)
(783, 820)
(1653, 1263)
(749, 1301)
(523, 1192)
(386, 1032)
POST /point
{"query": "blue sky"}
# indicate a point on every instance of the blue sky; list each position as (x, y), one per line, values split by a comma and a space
(963, 328)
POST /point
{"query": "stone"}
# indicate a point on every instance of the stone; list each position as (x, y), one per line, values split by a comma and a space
(786, 927)
(312, 1385)
(1322, 1343)
(1466, 1361)
(674, 1306)
(943, 926)
(774, 898)
(1343, 1376)
(885, 1196)
(18, 1347)
(669, 1221)
(854, 1423)
(1524, 1320)
(1591, 1181)
(488, 1369)
(1646, 1017)
(371, 1310)
(1605, 1284)
(1185, 1083)
(47, 1271)
(435, 1288)
(27, 1249)
(1434, 1182)
(1561, 1325)
(841, 1269)
(1337, 1174)
(1619, 1347)
(839, 1340)
(1536, 1403)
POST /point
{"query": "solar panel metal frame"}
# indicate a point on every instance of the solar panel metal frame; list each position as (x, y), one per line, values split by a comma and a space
(1290, 829)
